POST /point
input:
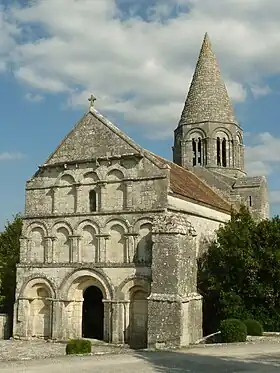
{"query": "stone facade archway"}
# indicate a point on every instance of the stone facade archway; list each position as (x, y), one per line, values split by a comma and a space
(33, 309)
(133, 293)
(73, 289)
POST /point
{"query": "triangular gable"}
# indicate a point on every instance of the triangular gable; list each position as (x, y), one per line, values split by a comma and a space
(93, 137)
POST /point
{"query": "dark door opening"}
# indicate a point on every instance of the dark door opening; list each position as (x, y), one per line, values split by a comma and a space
(93, 313)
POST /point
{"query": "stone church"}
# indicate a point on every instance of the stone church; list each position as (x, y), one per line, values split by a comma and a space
(112, 231)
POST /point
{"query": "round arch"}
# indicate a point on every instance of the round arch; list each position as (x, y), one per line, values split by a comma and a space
(75, 284)
(36, 224)
(239, 138)
(143, 220)
(66, 178)
(117, 172)
(222, 130)
(61, 224)
(31, 282)
(124, 289)
(79, 227)
(113, 221)
(90, 177)
(195, 132)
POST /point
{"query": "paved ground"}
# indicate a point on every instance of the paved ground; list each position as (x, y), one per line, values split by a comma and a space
(258, 358)
(30, 350)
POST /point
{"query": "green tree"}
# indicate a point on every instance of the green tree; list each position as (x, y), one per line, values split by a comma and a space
(267, 253)
(9, 257)
(229, 272)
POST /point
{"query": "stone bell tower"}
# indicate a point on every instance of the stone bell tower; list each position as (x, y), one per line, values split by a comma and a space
(208, 134)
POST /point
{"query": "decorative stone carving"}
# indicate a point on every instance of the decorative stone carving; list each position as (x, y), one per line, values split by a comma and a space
(171, 223)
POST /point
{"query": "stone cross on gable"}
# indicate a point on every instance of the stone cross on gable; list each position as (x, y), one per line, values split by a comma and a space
(91, 99)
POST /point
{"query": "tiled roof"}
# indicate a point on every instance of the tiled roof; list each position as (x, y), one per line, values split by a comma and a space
(186, 185)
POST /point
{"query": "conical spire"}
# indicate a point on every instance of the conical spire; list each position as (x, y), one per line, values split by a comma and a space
(207, 99)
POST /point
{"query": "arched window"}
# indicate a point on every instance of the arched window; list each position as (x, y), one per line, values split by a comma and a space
(197, 151)
(218, 151)
(199, 159)
(224, 149)
(194, 151)
(92, 201)
(224, 152)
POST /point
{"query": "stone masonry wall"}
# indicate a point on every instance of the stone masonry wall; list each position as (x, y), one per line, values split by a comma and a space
(4, 326)
(69, 243)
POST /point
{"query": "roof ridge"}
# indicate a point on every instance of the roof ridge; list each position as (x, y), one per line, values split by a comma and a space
(207, 185)
(199, 179)
(65, 138)
(123, 135)
(113, 128)
(215, 176)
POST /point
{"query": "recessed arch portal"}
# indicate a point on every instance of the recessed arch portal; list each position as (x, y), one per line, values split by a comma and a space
(93, 313)
(87, 312)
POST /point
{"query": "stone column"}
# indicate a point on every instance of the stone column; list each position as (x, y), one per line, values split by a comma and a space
(102, 197)
(29, 318)
(78, 199)
(58, 325)
(24, 252)
(76, 321)
(242, 147)
(174, 307)
(107, 321)
(54, 258)
(211, 152)
(97, 251)
(75, 249)
(126, 249)
(21, 325)
(236, 154)
(185, 152)
(129, 195)
(102, 244)
(48, 258)
(131, 243)
(54, 199)
(117, 320)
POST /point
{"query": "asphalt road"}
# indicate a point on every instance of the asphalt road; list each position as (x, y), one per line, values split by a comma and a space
(231, 359)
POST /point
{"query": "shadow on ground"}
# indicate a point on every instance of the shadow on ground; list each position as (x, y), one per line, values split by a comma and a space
(179, 362)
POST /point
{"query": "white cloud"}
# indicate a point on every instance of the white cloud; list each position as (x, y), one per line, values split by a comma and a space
(33, 97)
(259, 91)
(8, 32)
(263, 155)
(10, 156)
(136, 67)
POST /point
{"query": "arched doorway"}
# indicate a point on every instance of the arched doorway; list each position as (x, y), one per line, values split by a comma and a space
(138, 318)
(93, 313)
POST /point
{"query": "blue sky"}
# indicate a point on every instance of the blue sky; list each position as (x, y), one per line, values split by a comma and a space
(137, 58)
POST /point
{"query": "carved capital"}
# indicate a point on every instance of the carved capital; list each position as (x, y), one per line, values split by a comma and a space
(131, 234)
(173, 223)
(78, 186)
(104, 235)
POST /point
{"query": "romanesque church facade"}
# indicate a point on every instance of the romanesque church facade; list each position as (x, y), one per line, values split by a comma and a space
(112, 231)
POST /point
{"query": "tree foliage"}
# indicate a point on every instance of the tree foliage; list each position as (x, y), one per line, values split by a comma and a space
(9, 257)
(239, 275)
